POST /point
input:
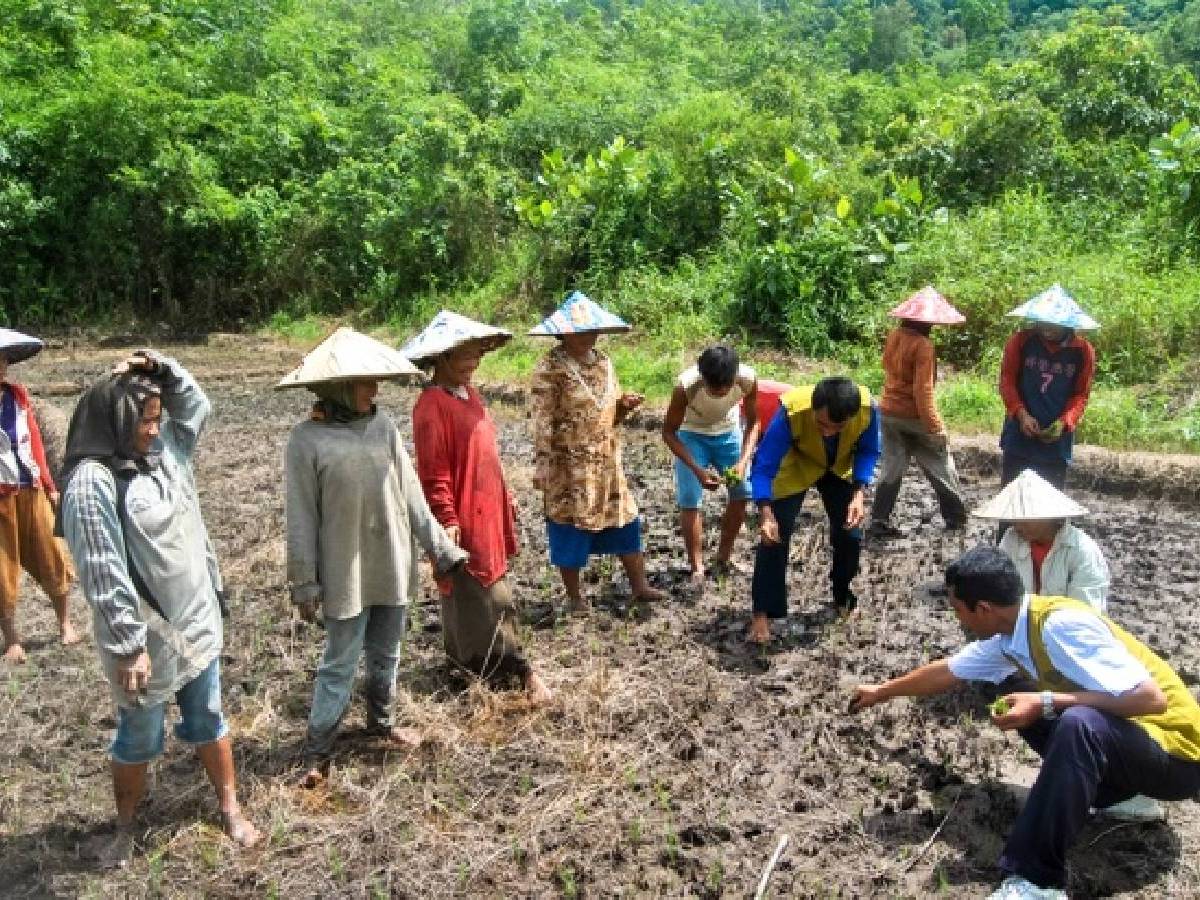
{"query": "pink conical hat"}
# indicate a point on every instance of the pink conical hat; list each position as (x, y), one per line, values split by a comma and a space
(928, 306)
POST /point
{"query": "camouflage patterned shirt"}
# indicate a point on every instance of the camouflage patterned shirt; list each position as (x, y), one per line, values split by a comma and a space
(577, 445)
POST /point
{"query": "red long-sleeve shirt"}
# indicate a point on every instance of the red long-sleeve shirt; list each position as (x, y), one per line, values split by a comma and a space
(1010, 373)
(458, 463)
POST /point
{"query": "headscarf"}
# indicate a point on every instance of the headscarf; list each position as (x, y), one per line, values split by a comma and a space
(336, 403)
(104, 426)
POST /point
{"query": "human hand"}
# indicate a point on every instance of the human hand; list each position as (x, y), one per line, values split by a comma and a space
(857, 510)
(1052, 432)
(133, 674)
(629, 402)
(454, 532)
(768, 527)
(1023, 710)
(1029, 425)
(709, 480)
(866, 695)
(143, 361)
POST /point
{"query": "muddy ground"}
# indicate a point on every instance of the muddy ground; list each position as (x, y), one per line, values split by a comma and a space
(670, 765)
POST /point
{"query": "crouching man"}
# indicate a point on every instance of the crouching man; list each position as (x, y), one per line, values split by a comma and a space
(1110, 719)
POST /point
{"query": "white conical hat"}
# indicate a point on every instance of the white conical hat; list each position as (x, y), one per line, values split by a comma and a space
(347, 355)
(1030, 497)
(449, 330)
(17, 346)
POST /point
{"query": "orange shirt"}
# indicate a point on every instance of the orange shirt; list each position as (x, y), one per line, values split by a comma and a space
(909, 372)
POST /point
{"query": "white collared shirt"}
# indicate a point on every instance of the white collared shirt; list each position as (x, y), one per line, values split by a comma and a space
(1080, 646)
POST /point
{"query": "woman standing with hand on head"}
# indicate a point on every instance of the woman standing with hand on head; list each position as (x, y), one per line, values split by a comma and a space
(132, 519)
(355, 515)
(577, 408)
(458, 462)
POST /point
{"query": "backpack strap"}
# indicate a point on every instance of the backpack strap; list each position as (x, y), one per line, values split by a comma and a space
(122, 481)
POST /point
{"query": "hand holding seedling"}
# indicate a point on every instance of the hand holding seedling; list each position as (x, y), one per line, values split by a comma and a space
(732, 476)
(709, 480)
(768, 528)
(1052, 432)
(1020, 711)
(866, 695)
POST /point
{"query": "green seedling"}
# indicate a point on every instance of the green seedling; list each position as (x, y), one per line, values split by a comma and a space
(999, 707)
(731, 476)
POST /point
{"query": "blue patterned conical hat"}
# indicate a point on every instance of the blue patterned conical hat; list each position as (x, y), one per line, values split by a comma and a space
(449, 330)
(580, 314)
(17, 346)
(1054, 306)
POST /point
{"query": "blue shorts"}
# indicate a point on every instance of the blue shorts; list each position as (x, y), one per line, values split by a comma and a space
(570, 547)
(709, 451)
(140, 729)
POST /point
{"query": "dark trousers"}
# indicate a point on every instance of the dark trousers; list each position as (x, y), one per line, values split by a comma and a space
(1089, 759)
(1013, 464)
(768, 589)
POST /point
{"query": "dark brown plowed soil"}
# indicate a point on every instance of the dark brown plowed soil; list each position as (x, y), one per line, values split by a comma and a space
(673, 760)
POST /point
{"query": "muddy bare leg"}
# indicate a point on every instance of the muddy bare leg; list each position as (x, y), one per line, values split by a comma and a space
(217, 759)
(62, 612)
(635, 568)
(570, 580)
(13, 651)
(731, 526)
(691, 523)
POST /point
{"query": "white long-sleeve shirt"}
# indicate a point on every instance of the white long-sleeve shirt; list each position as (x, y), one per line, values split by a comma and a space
(1074, 567)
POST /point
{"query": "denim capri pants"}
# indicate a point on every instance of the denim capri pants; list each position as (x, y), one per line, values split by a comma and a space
(709, 451)
(141, 729)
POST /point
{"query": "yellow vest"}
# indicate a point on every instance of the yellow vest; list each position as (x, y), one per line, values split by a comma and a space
(806, 461)
(1177, 730)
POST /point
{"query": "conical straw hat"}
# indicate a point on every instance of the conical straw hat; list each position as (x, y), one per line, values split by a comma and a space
(18, 347)
(1054, 306)
(1030, 497)
(449, 330)
(347, 355)
(928, 306)
(580, 314)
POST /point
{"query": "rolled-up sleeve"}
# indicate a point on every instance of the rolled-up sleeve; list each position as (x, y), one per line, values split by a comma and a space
(768, 458)
(92, 528)
(982, 661)
(867, 449)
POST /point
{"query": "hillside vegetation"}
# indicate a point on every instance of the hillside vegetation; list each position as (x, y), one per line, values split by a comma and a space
(776, 171)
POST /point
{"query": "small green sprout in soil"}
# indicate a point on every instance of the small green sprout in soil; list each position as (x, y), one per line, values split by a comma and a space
(999, 707)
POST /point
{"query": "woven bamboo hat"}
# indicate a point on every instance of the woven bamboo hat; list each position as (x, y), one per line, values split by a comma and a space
(18, 347)
(930, 307)
(348, 355)
(449, 330)
(1030, 497)
(580, 314)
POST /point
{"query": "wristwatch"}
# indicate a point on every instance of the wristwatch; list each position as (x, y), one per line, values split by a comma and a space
(1048, 706)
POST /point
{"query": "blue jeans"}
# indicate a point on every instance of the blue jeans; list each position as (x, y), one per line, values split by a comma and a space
(141, 729)
(715, 451)
(768, 587)
(1089, 759)
(377, 632)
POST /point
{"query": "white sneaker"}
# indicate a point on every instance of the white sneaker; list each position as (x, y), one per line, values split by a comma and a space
(1015, 888)
(1136, 809)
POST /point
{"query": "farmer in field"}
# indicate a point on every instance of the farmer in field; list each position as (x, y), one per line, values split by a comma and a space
(1045, 382)
(458, 462)
(703, 428)
(577, 406)
(912, 427)
(825, 437)
(132, 520)
(355, 515)
(1053, 557)
(28, 497)
(1109, 718)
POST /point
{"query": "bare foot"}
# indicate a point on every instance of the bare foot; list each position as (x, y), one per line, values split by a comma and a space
(68, 635)
(313, 778)
(111, 851)
(697, 583)
(650, 594)
(760, 631)
(402, 738)
(15, 654)
(578, 606)
(240, 830)
(536, 690)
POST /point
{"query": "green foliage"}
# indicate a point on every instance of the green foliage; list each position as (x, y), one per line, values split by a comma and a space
(779, 172)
